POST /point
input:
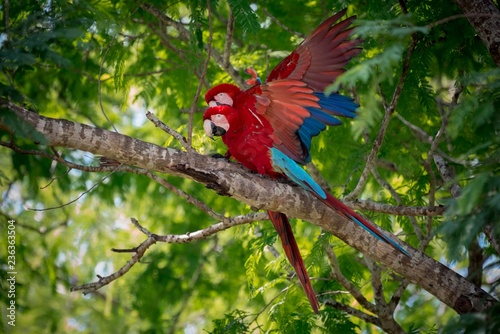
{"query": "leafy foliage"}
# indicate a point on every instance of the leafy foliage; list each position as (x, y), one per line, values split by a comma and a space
(244, 15)
(232, 323)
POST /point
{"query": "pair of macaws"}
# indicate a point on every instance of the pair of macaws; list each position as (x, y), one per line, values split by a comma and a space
(268, 128)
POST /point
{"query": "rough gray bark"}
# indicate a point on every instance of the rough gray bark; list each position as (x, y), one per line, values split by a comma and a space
(484, 16)
(230, 179)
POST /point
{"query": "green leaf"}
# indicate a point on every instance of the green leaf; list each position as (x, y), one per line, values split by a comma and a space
(244, 15)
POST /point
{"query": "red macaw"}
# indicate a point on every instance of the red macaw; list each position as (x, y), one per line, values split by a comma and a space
(268, 128)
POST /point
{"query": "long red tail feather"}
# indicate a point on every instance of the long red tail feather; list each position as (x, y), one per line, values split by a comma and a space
(347, 212)
(282, 226)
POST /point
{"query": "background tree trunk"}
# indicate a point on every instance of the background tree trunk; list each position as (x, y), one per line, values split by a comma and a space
(485, 18)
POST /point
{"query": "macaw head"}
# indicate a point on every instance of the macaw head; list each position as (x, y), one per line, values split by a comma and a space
(218, 119)
(223, 94)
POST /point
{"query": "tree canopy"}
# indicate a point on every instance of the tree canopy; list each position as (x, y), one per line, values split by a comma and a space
(108, 184)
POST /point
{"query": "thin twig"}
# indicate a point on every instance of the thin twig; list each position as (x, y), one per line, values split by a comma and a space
(432, 176)
(270, 303)
(460, 16)
(58, 158)
(17, 149)
(396, 296)
(377, 143)
(337, 274)
(70, 165)
(180, 138)
(171, 238)
(79, 196)
(432, 197)
(202, 76)
(188, 198)
(52, 179)
(489, 231)
(101, 66)
(141, 249)
(183, 32)
(229, 37)
(447, 174)
(42, 229)
(284, 27)
(426, 138)
(6, 17)
(124, 250)
(165, 41)
(397, 198)
(208, 231)
(144, 74)
(354, 312)
(376, 278)
(399, 210)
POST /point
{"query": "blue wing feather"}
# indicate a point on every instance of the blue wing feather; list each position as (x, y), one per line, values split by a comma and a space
(339, 105)
(283, 164)
(331, 106)
(381, 237)
(311, 127)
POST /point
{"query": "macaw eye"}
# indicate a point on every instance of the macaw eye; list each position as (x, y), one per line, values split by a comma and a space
(224, 98)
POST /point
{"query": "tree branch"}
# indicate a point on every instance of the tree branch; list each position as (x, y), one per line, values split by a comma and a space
(180, 138)
(397, 198)
(426, 138)
(139, 253)
(185, 36)
(396, 297)
(152, 238)
(354, 312)
(398, 210)
(377, 143)
(183, 32)
(229, 38)
(281, 25)
(231, 179)
(487, 27)
(202, 76)
(337, 274)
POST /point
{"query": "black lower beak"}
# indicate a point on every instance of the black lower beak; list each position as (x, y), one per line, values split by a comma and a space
(217, 130)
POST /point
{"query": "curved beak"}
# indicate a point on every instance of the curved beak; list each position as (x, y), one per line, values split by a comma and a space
(213, 130)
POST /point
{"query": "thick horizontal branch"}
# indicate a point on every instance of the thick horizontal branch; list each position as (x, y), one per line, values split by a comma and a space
(232, 180)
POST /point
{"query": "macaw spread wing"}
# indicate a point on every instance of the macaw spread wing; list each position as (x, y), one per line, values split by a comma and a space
(322, 56)
(292, 99)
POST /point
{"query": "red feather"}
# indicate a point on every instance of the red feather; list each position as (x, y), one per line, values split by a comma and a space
(282, 226)
(231, 89)
(292, 85)
(270, 115)
(326, 47)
